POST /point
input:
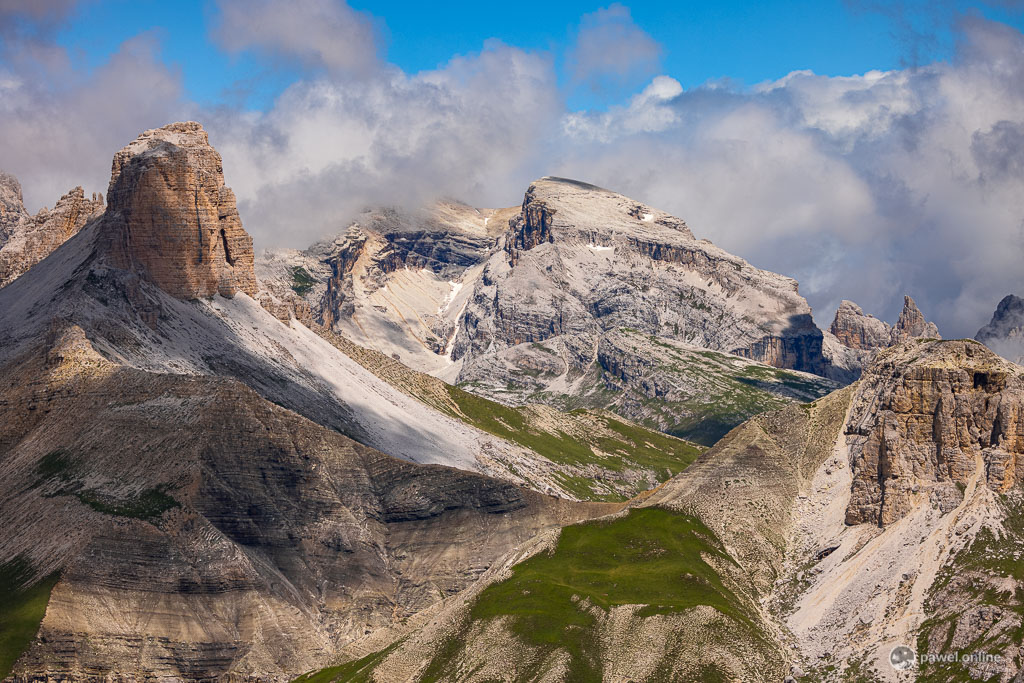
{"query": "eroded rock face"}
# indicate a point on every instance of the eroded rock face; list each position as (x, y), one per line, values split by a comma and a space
(204, 533)
(12, 208)
(854, 337)
(580, 260)
(929, 420)
(858, 331)
(912, 325)
(26, 240)
(172, 218)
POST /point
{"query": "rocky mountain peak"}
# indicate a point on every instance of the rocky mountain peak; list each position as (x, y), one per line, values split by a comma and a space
(26, 240)
(911, 324)
(172, 218)
(12, 209)
(560, 207)
(579, 261)
(929, 421)
(859, 331)
(1004, 334)
(854, 337)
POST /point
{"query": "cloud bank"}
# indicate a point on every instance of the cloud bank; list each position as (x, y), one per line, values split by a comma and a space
(862, 187)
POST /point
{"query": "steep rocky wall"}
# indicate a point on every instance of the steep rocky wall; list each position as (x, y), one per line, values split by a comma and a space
(26, 240)
(171, 217)
(1004, 333)
(927, 417)
(338, 301)
(858, 331)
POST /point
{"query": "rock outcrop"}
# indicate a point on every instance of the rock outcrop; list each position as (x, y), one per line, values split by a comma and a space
(1004, 334)
(858, 331)
(26, 240)
(394, 280)
(579, 261)
(172, 219)
(912, 325)
(929, 418)
(854, 337)
(12, 207)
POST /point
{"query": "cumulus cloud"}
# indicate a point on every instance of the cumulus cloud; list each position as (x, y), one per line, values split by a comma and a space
(319, 33)
(611, 50)
(861, 187)
(60, 127)
(472, 129)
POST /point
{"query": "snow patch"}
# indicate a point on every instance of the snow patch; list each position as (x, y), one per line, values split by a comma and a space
(454, 292)
(599, 248)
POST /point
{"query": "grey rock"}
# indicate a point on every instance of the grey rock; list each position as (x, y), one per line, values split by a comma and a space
(1004, 334)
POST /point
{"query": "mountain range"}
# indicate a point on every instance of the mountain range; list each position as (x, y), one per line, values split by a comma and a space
(565, 441)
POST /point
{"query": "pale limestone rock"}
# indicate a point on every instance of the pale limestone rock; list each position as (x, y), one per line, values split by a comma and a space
(580, 261)
(172, 218)
(912, 325)
(858, 331)
(26, 240)
(925, 416)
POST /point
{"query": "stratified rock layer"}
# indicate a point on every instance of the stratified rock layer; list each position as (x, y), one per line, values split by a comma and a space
(927, 417)
(858, 331)
(172, 218)
(26, 240)
(580, 261)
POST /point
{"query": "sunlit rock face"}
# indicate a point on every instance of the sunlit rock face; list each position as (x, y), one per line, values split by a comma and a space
(579, 260)
(171, 217)
(930, 420)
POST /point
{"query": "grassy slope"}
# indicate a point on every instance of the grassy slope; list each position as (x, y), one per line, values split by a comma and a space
(358, 671)
(651, 557)
(715, 391)
(967, 581)
(578, 439)
(22, 607)
(619, 445)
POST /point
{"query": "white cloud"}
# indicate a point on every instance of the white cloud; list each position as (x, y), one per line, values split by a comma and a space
(861, 187)
(58, 129)
(472, 129)
(318, 33)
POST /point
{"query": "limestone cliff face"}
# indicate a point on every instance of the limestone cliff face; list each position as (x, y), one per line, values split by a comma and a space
(854, 337)
(339, 300)
(927, 418)
(858, 331)
(579, 260)
(12, 208)
(911, 324)
(172, 218)
(26, 240)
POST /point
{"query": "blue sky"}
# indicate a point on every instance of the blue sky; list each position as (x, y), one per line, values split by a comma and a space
(746, 42)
